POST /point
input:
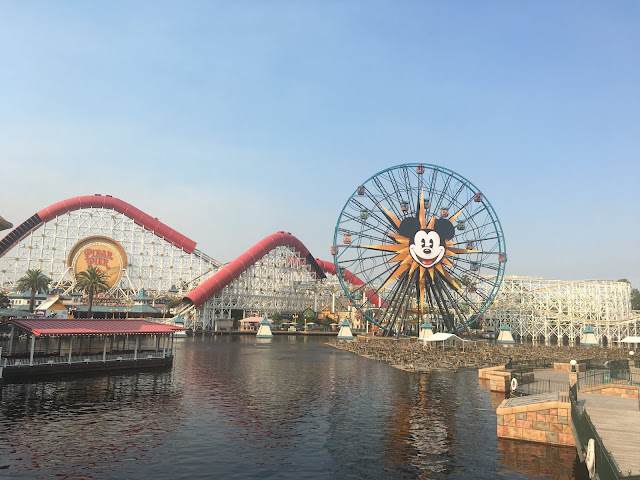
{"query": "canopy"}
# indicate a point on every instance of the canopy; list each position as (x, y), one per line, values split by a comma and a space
(251, 320)
(631, 340)
(45, 327)
(442, 337)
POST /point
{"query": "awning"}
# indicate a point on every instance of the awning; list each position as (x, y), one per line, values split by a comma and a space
(442, 337)
(61, 327)
(253, 320)
(630, 340)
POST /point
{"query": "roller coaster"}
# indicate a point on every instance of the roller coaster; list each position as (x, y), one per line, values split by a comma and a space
(277, 275)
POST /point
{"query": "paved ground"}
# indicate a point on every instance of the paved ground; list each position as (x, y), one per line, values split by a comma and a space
(551, 374)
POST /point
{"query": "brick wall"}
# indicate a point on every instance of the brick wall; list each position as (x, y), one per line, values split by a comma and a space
(546, 422)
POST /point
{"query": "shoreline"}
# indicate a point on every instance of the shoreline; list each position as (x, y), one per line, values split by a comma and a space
(413, 356)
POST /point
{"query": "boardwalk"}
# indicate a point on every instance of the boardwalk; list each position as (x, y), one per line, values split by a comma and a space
(617, 421)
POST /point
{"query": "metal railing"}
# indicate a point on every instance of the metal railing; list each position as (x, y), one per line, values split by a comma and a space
(112, 357)
(592, 378)
(532, 363)
(541, 386)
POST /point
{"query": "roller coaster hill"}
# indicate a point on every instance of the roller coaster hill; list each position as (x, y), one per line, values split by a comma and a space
(150, 264)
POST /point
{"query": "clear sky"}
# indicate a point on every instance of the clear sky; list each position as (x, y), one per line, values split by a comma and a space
(232, 120)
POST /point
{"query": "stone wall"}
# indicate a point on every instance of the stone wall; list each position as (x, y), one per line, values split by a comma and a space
(483, 372)
(528, 418)
(499, 379)
(613, 390)
(566, 367)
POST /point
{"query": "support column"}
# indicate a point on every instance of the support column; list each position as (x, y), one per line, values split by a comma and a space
(11, 340)
(135, 352)
(157, 343)
(104, 350)
(33, 347)
(164, 346)
(70, 348)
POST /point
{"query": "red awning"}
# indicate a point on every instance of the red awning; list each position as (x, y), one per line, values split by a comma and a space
(44, 327)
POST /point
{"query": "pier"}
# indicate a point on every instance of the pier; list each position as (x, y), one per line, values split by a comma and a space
(604, 406)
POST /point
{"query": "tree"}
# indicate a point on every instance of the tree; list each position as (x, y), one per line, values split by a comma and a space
(4, 301)
(91, 281)
(276, 318)
(34, 281)
(635, 299)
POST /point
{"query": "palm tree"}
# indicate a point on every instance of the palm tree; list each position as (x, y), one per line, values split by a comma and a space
(34, 280)
(90, 281)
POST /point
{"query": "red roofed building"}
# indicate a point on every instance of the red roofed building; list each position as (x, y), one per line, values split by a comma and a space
(62, 346)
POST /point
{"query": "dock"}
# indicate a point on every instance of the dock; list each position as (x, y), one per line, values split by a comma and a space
(616, 421)
(604, 405)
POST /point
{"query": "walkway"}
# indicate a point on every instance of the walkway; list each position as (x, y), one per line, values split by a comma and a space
(617, 421)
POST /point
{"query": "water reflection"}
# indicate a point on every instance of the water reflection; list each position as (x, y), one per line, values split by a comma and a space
(233, 407)
(541, 460)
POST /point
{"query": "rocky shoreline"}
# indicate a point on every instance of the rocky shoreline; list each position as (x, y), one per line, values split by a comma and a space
(410, 355)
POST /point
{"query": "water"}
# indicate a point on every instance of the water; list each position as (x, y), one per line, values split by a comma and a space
(234, 407)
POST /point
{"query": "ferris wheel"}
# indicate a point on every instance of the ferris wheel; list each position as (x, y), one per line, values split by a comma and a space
(419, 242)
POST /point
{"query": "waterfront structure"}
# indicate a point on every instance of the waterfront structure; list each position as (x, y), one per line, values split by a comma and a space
(557, 311)
(345, 332)
(264, 328)
(426, 331)
(178, 321)
(61, 346)
(588, 337)
(505, 337)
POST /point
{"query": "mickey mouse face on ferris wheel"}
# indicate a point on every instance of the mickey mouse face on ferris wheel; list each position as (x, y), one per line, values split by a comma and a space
(427, 246)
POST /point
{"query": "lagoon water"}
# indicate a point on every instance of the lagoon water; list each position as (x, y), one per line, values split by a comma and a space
(234, 407)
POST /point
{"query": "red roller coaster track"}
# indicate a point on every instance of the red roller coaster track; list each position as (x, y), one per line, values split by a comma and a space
(96, 201)
(208, 288)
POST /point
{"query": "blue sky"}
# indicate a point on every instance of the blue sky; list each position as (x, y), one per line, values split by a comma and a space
(232, 120)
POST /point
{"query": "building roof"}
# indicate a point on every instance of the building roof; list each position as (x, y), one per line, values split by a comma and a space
(54, 327)
(50, 302)
(442, 337)
(116, 308)
(142, 296)
(15, 312)
(631, 339)
(27, 294)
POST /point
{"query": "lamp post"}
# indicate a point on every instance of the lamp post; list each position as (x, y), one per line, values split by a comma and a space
(573, 375)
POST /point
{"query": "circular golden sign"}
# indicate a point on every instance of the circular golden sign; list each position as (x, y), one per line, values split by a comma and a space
(104, 253)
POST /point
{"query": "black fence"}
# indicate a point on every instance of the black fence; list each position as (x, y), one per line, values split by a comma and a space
(591, 378)
(536, 363)
(541, 386)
